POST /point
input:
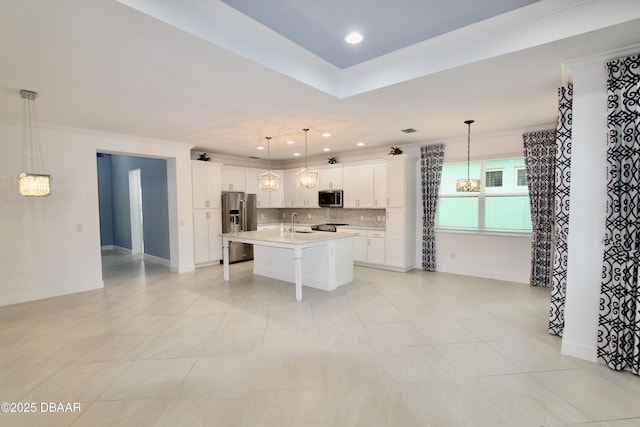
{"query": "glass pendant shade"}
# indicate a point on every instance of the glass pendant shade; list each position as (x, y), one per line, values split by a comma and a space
(468, 185)
(31, 182)
(268, 181)
(306, 177)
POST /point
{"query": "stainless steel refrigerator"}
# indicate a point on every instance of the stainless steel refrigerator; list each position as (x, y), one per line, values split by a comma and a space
(239, 214)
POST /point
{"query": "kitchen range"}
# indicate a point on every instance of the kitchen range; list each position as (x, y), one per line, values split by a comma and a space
(330, 226)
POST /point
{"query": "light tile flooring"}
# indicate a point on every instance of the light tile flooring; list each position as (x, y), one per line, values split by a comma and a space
(390, 349)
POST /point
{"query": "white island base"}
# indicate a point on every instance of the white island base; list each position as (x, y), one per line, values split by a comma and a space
(320, 260)
(323, 267)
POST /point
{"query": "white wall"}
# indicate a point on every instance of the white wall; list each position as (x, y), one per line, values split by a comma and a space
(587, 209)
(51, 246)
(494, 256)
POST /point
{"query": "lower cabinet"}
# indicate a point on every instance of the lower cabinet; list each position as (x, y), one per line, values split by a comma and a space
(368, 246)
(207, 226)
(375, 247)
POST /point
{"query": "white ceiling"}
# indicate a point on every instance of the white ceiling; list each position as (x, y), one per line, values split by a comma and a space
(200, 72)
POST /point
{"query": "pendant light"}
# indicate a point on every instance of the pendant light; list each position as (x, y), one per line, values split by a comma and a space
(268, 181)
(305, 177)
(468, 185)
(32, 181)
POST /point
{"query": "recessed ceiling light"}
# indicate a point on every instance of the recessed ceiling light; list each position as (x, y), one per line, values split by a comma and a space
(360, 144)
(326, 134)
(259, 147)
(326, 149)
(290, 142)
(354, 37)
(296, 154)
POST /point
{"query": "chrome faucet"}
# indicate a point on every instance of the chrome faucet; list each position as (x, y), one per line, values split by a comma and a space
(293, 215)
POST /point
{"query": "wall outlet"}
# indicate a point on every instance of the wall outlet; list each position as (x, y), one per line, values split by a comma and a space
(309, 216)
(453, 255)
(361, 217)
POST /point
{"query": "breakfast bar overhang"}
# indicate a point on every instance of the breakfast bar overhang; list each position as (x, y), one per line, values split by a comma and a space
(320, 260)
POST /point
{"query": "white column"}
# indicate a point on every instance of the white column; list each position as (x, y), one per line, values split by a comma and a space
(588, 203)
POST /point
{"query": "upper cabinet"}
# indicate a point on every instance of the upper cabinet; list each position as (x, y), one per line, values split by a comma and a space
(264, 199)
(397, 172)
(365, 186)
(380, 185)
(295, 197)
(205, 178)
(233, 178)
(358, 186)
(330, 178)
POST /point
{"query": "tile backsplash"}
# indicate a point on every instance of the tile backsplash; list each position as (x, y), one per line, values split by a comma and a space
(355, 217)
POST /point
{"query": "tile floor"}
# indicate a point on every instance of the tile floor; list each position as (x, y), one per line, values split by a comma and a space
(390, 349)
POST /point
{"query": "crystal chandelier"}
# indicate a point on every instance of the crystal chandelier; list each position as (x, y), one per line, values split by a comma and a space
(468, 185)
(268, 180)
(305, 177)
(31, 182)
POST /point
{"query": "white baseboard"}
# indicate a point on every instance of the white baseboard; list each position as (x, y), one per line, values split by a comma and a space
(156, 260)
(579, 351)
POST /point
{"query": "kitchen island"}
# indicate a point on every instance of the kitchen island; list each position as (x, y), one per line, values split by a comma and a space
(317, 259)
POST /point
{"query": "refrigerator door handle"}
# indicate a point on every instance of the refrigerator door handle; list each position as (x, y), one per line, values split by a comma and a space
(243, 215)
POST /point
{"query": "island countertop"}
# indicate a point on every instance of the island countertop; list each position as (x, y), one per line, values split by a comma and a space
(285, 237)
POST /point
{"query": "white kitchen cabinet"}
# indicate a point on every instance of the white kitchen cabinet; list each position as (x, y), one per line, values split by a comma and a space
(306, 197)
(380, 185)
(359, 245)
(276, 197)
(330, 178)
(396, 181)
(205, 184)
(289, 189)
(400, 236)
(395, 242)
(368, 246)
(295, 197)
(375, 247)
(233, 179)
(207, 226)
(358, 186)
(263, 197)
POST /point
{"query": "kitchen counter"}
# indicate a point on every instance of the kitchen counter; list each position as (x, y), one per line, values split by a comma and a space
(317, 259)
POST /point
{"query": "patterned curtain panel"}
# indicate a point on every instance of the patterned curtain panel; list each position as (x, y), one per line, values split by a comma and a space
(562, 181)
(539, 158)
(431, 159)
(619, 321)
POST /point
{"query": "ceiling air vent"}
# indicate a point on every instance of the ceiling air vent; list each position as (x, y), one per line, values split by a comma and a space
(409, 130)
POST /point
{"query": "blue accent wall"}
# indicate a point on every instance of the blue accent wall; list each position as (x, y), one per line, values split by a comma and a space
(155, 204)
(105, 199)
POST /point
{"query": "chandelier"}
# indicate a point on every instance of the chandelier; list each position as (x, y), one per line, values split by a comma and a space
(268, 180)
(306, 177)
(32, 181)
(468, 185)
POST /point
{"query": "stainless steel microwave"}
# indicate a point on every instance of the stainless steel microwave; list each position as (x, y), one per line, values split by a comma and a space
(330, 198)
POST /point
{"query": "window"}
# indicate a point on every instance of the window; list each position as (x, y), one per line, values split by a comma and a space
(521, 177)
(501, 205)
(493, 179)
